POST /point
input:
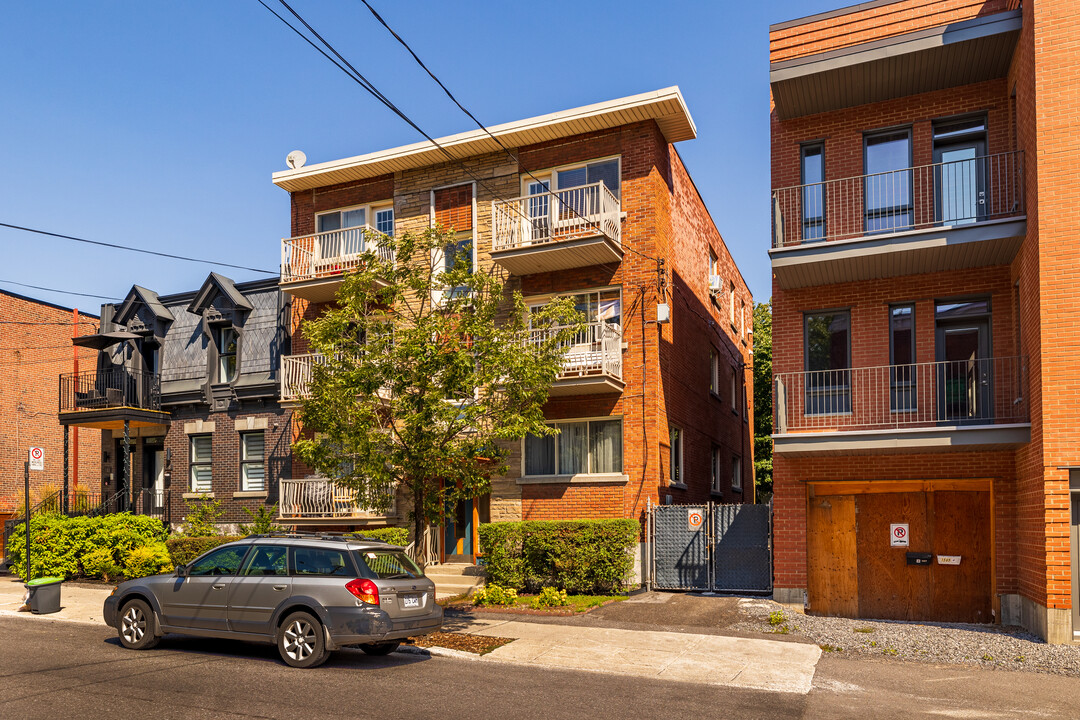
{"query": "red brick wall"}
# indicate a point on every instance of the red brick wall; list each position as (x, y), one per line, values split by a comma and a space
(35, 348)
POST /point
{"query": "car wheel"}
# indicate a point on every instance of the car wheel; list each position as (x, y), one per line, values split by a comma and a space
(380, 648)
(301, 641)
(137, 626)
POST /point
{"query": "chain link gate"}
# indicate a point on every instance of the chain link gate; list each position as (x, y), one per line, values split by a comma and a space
(710, 547)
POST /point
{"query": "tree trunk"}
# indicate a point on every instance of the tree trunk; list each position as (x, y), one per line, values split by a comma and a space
(419, 520)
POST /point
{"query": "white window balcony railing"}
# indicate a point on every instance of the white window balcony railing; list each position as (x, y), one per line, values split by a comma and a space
(296, 376)
(597, 350)
(322, 499)
(556, 216)
(328, 254)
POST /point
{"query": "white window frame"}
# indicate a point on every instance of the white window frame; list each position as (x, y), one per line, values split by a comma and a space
(736, 473)
(438, 255)
(732, 300)
(588, 455)
(717, 476)
(550, 175)
(369, 213)
(218, 331)
(246, 462)
(192, 464)
(676, 441)
(714, 371)
(734, 390)
(535, 301)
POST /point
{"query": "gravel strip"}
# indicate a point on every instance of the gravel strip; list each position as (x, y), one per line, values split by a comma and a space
(990, 646)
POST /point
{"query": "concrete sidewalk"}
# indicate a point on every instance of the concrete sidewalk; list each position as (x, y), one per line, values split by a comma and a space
(79, 602)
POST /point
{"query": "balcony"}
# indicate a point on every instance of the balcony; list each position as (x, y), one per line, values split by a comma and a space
(945, 216)
(593, 361)
(296, 377)
(557, 230)
(318, 500)
(105, 399)
(966, 404)
(312, 266)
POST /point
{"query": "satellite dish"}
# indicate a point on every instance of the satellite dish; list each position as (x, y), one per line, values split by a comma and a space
(296, 159)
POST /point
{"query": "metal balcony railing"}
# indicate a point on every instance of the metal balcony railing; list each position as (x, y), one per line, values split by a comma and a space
(114, 388)
(597, 350)
(331, 253)
(296, 374)
(556, 216)
(943, 194)
(320, 498)
(983, 391)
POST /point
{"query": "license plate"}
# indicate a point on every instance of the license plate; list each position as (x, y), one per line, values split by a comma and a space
(410, 601)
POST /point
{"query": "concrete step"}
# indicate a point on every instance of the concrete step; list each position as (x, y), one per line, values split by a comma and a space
(454, 570)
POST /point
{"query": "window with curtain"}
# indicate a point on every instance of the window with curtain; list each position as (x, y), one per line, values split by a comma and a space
(252, 461)
(454, 207)
(226, 349)
(201, 464)
(580, 447)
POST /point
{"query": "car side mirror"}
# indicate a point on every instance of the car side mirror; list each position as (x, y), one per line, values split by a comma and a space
(181, 571)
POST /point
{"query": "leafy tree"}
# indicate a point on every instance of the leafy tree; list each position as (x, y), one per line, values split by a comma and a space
(427, 371)
(763, 399)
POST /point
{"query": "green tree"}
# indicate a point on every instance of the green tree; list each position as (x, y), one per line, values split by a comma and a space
(428, 369)
(763, 400)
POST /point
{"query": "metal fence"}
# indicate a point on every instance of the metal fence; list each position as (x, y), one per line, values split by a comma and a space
(113, 388)
(723, 548)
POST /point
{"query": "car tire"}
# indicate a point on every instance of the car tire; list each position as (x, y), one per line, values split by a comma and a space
(301, 641)
(137, 626)
(380, 648)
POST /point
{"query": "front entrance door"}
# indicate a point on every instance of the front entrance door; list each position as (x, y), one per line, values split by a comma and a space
(123, 480)
(960, 183)
(964, 372)
(460, 523)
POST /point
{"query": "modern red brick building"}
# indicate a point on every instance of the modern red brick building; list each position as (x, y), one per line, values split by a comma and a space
(35, 346)
(654, 401)
(925, 269)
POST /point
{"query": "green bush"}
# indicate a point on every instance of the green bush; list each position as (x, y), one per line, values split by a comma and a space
(393, 535)
(202, 517)
(148, 560)
(495, 595)
(262, 521)
(183, 549)
(550, 597)
(96, 547)
(579, 556)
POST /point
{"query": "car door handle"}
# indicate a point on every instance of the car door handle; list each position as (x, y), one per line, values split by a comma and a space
(281, 587)
(218, 587)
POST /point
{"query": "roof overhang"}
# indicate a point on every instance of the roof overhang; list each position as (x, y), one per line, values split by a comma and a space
(104, 340)
(908, 440)
(666, 107)
(114, 418)
(932, 59)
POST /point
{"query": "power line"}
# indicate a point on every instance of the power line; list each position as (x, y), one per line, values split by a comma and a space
(57, 290)
(135, 249)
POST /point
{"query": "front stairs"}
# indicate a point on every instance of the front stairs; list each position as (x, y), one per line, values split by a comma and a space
(455, 579)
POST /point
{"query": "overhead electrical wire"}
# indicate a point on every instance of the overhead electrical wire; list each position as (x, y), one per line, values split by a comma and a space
(57, 290)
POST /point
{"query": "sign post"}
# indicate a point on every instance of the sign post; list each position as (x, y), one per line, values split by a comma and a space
(35, 461)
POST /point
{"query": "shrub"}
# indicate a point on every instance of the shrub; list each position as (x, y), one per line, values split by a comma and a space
(148, 560)
(183, 549)
(202, 517)
(393, 535)
(550, 597)
(262, 521)
(495, 595)
(580, 556)
(99, 563)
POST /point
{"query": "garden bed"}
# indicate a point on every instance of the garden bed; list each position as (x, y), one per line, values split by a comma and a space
(479, 644)
(578, 604)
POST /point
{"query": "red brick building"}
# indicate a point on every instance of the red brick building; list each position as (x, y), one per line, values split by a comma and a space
(924, 281)
(35, 346)
(655, 396)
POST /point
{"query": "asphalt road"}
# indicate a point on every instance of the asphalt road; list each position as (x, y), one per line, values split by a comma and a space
(52, 669)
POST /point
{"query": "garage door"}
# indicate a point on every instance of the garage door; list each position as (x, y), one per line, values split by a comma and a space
(857, 567)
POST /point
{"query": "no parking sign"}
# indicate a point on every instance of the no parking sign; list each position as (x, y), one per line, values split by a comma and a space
(37, 458)
(898, 535)
(694, 519)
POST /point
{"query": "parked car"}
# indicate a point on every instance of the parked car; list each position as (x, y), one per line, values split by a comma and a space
(308, 594)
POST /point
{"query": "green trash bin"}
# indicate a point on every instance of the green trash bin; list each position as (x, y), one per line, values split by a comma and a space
(43, 595)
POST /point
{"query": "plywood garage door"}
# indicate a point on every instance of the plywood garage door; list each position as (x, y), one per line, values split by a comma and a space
(889, 588)
(832, 580)
(962, 593)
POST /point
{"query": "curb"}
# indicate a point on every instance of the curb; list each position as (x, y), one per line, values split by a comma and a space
(436, 651)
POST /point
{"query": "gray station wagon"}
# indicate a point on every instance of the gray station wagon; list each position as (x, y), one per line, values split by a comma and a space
(308, 594)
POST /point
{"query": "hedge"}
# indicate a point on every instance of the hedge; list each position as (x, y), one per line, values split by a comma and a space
(393, 535)
(579, 556)
(183, 549)
(109, 546)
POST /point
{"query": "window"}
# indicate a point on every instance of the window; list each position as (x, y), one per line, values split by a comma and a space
(252, 461)
(358, 217)
(731, 297)
(224, 561)
(201, 463)
(887, 166)
(717, 487)
(714, 372)
(572, 176)
(713, 280)
(462, 249)
(384, 221)
(828, 362)
(575, 195)
(319, 561)
(226, 338)
(675, 474)
(902, 358)
(734, 389)
(580, 447)
(599, 306)
(386, 565)
(453, 211)
(813, 192)
(265, 560)
(736, 474)
(341, 219)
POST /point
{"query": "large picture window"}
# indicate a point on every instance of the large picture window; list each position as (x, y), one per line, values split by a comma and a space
(581, 447)
(828, 362)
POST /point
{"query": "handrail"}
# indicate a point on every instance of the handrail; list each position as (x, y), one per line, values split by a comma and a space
(556, 216)
(114, 388)
(330, 253)
(319, 497)
(595, 350)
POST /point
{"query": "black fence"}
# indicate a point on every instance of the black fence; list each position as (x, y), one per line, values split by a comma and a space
(114, 388)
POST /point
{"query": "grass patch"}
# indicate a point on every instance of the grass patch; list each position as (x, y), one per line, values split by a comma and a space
(831, 648)
(863, 630)
(575, 603)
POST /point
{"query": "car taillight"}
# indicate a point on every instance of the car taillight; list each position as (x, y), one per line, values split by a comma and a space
(364, 590)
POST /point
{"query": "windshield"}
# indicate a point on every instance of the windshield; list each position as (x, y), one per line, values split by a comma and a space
(387, 565)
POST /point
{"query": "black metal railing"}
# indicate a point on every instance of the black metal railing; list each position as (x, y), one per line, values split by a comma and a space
(114, 388)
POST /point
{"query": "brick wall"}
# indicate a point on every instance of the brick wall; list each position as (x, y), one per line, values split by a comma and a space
(35, 348)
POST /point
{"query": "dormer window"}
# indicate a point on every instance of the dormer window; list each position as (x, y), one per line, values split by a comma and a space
(226, 339)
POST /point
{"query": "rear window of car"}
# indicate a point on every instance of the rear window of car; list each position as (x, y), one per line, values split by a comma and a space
(387, 565)
(321, 561)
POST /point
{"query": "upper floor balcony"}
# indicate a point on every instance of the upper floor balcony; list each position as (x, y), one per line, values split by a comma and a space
(105, 399)
(963, 212)
(313, 266)
(317, 500)
(557, 230)
(919, 407)
(593, 361)
(296, 373)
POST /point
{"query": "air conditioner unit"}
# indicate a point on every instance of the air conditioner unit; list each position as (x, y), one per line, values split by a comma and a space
(715, 283)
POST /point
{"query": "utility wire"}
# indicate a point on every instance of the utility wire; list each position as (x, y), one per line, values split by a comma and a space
(135, 249)
(57, 290)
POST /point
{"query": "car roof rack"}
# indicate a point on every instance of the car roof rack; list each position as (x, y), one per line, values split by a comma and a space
(339, 536)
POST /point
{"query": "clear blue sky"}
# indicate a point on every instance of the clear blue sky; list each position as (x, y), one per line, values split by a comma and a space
(158, 124)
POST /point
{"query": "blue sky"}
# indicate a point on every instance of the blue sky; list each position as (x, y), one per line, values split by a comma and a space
(158, 124)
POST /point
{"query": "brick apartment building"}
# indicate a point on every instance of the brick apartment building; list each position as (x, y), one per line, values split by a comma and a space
(657, 408)
(186, 384)
(925, 267)
(35, 346)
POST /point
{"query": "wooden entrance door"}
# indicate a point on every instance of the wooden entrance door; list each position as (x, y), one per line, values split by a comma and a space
(889, 588)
